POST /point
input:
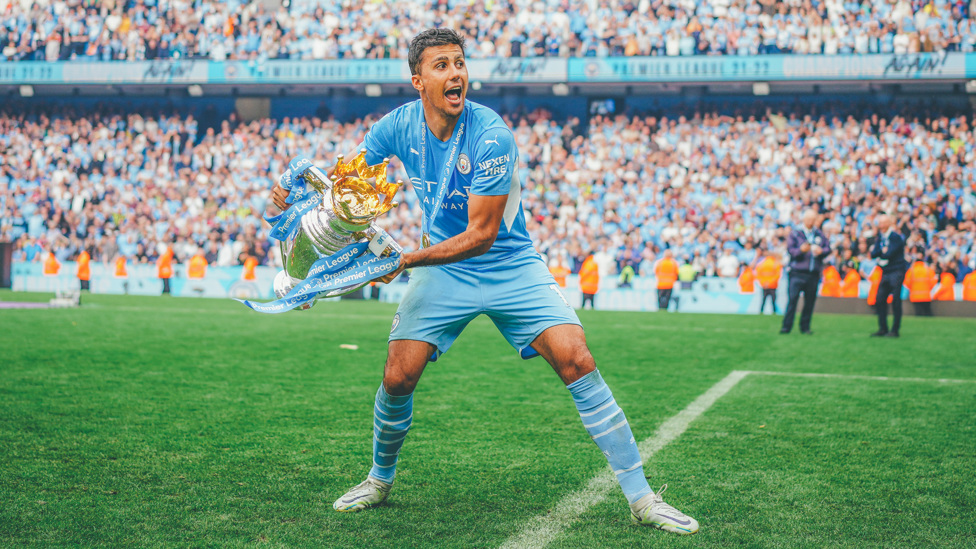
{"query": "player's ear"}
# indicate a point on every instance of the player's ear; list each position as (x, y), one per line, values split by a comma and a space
(418, 83)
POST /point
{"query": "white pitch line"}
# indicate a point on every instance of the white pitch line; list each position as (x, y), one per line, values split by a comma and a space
(543, 529)
(866, 378)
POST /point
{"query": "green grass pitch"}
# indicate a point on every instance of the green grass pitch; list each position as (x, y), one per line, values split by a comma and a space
(141, 422)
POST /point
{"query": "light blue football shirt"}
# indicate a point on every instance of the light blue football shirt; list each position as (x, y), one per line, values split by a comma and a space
(487, 165)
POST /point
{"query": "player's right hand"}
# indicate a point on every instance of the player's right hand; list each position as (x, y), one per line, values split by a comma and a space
(279, 197)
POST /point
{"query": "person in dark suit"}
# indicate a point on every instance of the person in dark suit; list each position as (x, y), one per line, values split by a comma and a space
(808, 247)
(889, 250)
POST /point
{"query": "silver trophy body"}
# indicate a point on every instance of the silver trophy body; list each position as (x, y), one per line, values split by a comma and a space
(333, 225)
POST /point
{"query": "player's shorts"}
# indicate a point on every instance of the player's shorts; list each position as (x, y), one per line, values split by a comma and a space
(519, 295)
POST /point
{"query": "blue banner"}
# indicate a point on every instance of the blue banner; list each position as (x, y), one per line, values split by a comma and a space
(31, 72)
(676, 69)
(770, 68)
(540, 70)
(335, 71)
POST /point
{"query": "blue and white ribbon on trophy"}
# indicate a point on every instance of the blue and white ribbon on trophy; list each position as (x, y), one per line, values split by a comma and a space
(301, 198)
(353, 265)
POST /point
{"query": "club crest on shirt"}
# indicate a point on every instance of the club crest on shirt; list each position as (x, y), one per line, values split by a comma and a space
(464, 164)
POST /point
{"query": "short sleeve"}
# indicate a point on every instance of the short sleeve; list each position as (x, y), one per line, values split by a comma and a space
(495, 163)
(380, 140)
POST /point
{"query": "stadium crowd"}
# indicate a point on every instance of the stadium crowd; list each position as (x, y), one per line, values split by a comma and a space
(716, 189)
(306, 29)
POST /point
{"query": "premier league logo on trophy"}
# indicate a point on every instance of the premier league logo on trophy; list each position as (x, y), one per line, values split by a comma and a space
(329, 241)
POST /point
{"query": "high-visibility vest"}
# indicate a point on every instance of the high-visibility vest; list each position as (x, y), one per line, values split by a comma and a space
(947, 288)
(850, 285)
(249, 264)
(120, 267)
(589, 276)
(831, 282)
(559, 272)
(768, 272)
(198, 267)
(666, 271)
(969, 287)
(747, 281)
(51, 265)
(920, 281)
(84, 266)
(164, 265)
(875, 279)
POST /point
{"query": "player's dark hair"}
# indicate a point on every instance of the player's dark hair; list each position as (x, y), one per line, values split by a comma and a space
(431, 38)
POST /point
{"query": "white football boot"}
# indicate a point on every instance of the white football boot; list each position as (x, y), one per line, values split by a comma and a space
(368, 493)
(651, 510)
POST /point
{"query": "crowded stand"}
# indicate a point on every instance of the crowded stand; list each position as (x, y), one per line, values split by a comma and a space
(719, 187)
(126, 30)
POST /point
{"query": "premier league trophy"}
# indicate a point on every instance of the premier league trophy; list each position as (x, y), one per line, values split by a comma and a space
(330, 243)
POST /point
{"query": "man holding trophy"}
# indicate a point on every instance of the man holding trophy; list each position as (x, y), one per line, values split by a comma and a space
(477, 258)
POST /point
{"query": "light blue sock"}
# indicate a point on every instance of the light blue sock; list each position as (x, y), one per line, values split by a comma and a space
(607, 426)
(392, 416)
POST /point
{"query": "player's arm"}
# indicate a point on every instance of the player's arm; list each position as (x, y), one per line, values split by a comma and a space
(484, 220)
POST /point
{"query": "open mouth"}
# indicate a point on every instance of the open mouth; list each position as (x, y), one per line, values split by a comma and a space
(453, 95)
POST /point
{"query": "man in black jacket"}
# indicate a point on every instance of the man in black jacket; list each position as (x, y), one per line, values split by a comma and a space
(808, 247)
(889, 249)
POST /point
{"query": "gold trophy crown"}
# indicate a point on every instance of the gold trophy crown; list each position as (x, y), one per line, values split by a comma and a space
(355, 199)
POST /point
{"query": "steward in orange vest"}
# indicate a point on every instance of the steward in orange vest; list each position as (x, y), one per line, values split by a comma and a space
(198, 266)
(747, 281)
(164, 268)
(51, 265)
(920, 280)
(84, 269)
(589, 279)
(666, 272)
(769, 271)
(559, 272)
(249, 264)
(875, 279)
(850, 286)
(969, 287)
(831, 282)
(947, 289)
(120, 267)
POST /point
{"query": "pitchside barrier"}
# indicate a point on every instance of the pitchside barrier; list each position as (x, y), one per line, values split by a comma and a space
(706, 295)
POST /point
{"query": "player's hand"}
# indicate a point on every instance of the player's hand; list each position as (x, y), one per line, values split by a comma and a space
(805, 247)
(817, 250)
(401, 265)
(279, 197)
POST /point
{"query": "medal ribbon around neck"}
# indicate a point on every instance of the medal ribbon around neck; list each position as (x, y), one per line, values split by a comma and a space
(445, 178)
